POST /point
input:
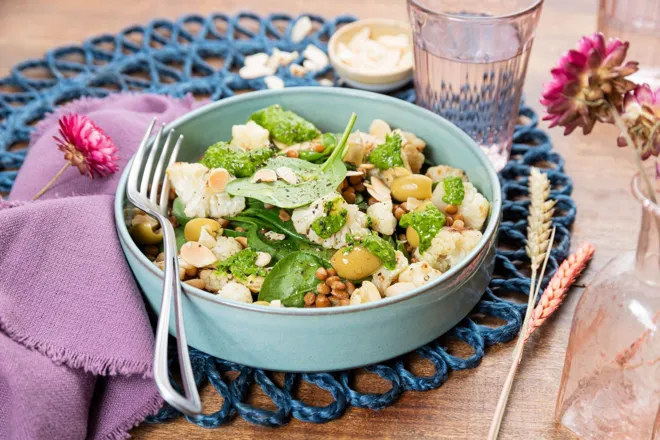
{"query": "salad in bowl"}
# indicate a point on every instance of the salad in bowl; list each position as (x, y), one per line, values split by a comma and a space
(283, 214)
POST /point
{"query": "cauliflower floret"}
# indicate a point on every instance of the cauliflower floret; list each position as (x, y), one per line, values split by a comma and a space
(384, 277)
(214, 281)
(249, 136)
(418, 274)
(190, 183)
(382, 218)
(439, 172)
(474, 208)
(411, 150)
(366, 293)
(236, 292)
(356, 221)
(225, 247)
(398, 289)
(449, 247)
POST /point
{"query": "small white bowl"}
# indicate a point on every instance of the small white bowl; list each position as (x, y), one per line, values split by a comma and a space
(368, 79)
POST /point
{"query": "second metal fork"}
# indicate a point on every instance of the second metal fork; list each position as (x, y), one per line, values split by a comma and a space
(155, 203)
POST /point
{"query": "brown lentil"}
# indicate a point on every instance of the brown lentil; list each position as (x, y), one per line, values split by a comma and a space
(359, 187)
(341, 294)
(402, 237)
(350, 197)
(334, 300)
(332, 272)
(284, 216)
(173, 221)
(151, 251)
(350, 287)
(449, 221)
(321, 273)
(355, 180)
(196, 282)
(331, 279)
(458, 225)
(239, 229)
(322, 301)
(338, 285)
(459, 217)
(319, 148)
(292, 153)
(323, 288)
(268, 206)
(224, 223)
(309, 298)
(399, 212)
(451, 209)
(350, 189)
(413, 260)
(191, 272)
(344, 302)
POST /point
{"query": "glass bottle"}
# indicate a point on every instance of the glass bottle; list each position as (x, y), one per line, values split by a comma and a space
(610, 388)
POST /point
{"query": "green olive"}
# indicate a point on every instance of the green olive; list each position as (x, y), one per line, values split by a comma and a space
(194, 227)
(144, 234)
(415, 185)
(412, 236)
(354, 265)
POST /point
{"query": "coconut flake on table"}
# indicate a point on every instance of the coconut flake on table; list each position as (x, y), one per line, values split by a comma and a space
(386, 52)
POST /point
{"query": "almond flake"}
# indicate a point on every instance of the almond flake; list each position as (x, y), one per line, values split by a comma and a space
(287, 175)
(301, 29)
(264, 175)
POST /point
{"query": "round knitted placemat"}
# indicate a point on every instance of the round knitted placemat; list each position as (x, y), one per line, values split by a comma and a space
(202, 55)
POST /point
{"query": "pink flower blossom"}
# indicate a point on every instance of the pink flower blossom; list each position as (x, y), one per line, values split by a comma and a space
(583, 80)
(86, 146)
(641, 113)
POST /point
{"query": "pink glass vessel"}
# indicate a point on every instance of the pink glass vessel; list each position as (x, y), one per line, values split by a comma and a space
(610, 387)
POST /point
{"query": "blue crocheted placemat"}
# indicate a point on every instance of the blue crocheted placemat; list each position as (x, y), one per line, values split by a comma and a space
(180, 57)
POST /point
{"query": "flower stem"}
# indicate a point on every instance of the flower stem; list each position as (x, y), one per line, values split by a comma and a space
(52, 181)
(636, 151)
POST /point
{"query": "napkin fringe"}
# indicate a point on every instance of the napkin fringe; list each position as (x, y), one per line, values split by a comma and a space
(91, 364)
(81, 105)
(121, 431)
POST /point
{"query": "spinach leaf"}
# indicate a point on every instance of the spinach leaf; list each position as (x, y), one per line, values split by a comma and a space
(388, 154)
(291, 278)
(237, 161)
(314, 181)
(329, 142)
(180, 238)
(284, 125)
(178, 211)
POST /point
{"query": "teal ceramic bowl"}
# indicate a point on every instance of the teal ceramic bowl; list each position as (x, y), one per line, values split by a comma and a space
(308, 340)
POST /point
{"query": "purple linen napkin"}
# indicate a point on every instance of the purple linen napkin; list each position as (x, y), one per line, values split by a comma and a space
(75, 340)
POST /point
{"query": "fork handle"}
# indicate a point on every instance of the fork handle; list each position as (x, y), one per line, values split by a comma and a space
(189, 404)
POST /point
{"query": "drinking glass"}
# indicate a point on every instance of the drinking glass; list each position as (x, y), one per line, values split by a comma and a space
(636, 21)
(470, 64)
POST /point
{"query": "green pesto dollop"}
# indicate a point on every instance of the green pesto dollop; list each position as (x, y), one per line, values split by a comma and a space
(333, 221)
(454, 190)
(285, 126)
(381, 249)
(388, 154)
(237, 161)
(242, 265)
(426, 223)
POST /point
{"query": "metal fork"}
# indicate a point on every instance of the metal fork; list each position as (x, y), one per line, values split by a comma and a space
(152, 203)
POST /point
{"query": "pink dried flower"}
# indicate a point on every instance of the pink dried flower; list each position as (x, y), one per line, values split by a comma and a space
(641, 113)
(86, 146)
(582, 79)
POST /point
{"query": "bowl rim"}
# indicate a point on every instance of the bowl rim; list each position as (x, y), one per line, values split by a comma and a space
(333, 41)
(488, 234)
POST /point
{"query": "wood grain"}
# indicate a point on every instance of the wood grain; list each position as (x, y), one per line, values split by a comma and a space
(462, 408)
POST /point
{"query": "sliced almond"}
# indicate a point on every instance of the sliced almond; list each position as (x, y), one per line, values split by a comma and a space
(265, 175)
(218, 179)
(413, 203)
(301, 29)
(352, 173)
(310, 65)
(287, 175)
(263, 259)
(378, 190)
(367, 166)
(197, 255)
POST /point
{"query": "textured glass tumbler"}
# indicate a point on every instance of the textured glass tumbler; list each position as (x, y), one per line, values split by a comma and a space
(610, 388)
(636, 21)
(470, 64)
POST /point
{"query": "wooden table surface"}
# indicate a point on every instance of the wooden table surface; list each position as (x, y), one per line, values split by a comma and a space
(463, 406)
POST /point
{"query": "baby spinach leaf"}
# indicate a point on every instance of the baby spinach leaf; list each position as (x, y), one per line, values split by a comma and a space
(180, 238)
(284, 125)
(292, 277)
(237, 161)
(178, 211)
(329, 142)
(314, 181)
